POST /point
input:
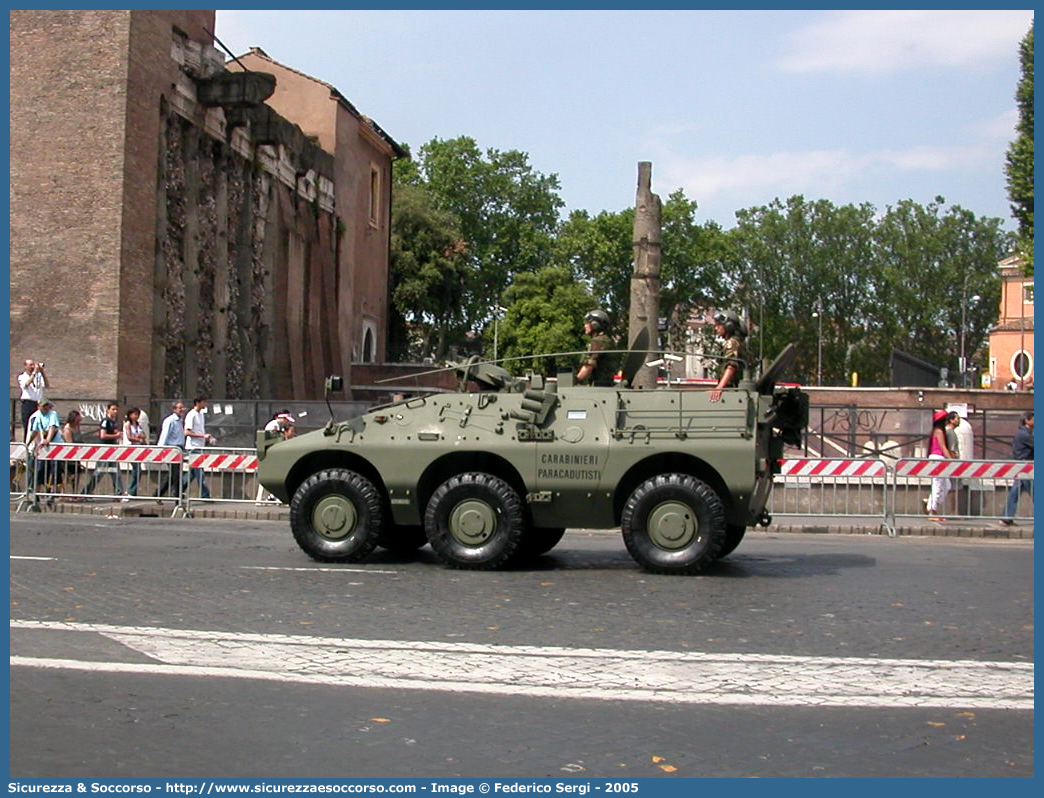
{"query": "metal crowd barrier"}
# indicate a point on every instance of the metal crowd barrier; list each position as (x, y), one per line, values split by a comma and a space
(230, 476)
(69, 471)
(975, 489)
(831, 487)
(19, 472)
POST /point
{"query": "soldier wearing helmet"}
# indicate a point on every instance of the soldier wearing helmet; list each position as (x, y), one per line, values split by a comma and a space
(599, 367)
(729, 326)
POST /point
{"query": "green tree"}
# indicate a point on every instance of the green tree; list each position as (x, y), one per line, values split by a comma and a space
(508, 215)
(840, 281)
(932, 264)
(804, 268)
(600, 250)
(428, 269)
(544, 309)
(1019, 166)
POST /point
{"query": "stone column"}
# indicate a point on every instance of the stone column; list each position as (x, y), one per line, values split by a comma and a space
(645, 282)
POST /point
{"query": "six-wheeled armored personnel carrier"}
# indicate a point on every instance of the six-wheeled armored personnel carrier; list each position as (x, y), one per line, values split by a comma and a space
(497, 472)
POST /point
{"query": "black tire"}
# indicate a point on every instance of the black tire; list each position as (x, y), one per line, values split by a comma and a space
(674, 524)
(733, 537)
(537, 541)
(336, 516)
(402, 539)
(475, 521)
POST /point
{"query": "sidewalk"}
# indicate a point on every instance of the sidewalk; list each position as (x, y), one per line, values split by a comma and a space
(248, 511)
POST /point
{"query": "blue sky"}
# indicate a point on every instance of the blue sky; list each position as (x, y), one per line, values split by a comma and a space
(734, 107)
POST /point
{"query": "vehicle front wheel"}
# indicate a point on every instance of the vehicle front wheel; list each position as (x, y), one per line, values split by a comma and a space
(733, 536)
(537, 541)
(674, 524)
(336, 516)
(475, 521)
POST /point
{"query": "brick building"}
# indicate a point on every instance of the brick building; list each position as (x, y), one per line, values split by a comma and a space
(1011, 341)
(173, 234)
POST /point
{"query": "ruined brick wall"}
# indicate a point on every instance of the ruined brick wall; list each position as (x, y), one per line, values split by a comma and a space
(243, 276)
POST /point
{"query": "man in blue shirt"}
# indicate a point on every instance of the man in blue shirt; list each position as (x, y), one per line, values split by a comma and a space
(44, 428)
(1021, 449)
(172, 433)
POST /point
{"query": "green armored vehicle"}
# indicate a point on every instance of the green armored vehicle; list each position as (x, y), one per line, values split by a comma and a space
(496, 474)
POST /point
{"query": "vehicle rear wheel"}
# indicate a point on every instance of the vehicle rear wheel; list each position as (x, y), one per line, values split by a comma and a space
(674, 524)
(402, 539)
(539, 540)
(336, 516)
(475, 521)
(733, 536)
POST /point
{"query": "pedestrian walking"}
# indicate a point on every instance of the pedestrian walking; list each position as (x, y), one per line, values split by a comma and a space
(172, 433)
(110, 432)
(196, 439)
(1021, 449)
(939, 449)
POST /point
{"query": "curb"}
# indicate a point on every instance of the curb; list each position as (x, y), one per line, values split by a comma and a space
(248, 511)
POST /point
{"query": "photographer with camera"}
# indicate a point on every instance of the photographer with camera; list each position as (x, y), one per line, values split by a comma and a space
(33, 382)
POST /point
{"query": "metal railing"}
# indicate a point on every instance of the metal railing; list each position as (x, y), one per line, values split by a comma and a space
(71, 471)
(875, 489)
(229, 474)
(19, 471)
(972, 489)
(831, 487)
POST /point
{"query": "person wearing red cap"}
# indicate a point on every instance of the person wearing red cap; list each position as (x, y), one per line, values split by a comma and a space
(939, 449)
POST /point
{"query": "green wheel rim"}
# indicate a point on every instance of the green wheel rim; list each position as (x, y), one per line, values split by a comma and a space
(472, 522)
(334, 517)
(673, 525)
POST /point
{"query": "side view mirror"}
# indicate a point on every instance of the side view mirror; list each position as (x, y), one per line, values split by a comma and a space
(334, 384)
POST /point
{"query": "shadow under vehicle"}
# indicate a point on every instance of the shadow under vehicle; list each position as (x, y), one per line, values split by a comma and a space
(494, 475)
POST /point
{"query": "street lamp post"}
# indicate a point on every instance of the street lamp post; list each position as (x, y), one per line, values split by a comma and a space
(962, 363)
(818, 314)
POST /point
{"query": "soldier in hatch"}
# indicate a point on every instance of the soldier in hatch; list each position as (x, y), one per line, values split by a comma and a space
(729, 326)
(600, 365)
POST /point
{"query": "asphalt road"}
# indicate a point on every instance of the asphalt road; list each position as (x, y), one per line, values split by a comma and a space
(215, 648)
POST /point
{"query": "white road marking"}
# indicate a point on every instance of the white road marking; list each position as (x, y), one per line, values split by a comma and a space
(546, 671)
(20, 557)
(317, 568)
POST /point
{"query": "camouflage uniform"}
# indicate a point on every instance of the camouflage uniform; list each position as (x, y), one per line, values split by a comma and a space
(734, 354)
(604, 365)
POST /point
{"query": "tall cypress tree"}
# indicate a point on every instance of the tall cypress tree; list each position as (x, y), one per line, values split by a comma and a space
(1019, 167)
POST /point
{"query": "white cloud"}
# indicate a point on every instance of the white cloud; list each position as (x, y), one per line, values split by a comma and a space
(819, 172)
(889, 41)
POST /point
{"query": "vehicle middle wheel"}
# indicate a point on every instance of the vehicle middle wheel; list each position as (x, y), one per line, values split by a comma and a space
(336, 516)
(475, 521)
(402, 539)
(537, 541)
(674, 524)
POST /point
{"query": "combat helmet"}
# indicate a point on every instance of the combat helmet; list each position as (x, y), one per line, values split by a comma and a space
(598, 319)
(731, 321)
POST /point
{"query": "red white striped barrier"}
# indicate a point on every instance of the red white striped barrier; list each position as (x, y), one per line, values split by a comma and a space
(832, 468)
(222, 462)
(965, 469)
(99, 453)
